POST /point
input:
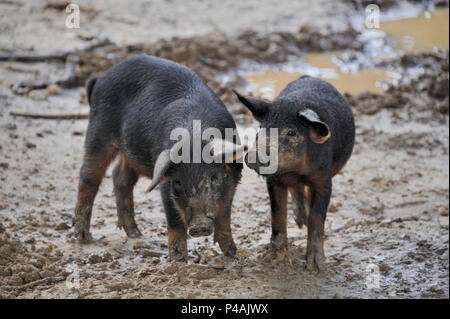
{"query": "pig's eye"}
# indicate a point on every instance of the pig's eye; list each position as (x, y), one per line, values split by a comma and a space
(177, 186)
(290, 133)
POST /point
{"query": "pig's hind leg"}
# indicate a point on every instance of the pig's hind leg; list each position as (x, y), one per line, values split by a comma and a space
(96, 161)
(301, 199)
(124, 178)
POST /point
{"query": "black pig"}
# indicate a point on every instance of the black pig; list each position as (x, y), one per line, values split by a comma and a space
(316, 134)
(134, 107)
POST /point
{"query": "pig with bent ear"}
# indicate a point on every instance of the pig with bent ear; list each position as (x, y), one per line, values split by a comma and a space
(316, 134)
(135, 107)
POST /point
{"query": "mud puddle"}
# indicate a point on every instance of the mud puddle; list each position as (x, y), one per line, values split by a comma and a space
(426, 32)
(270, 83)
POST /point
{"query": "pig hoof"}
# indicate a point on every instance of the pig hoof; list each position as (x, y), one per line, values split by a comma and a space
(228, 247)
(278, 244)
(133, 231)
(177, 253)
(178, 256)
(279, 255)
(231, 252)
(315, 262)
(300, 222)
(83, 236)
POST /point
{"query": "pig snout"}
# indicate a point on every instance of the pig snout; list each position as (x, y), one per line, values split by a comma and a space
(263, 166)
(201, 225)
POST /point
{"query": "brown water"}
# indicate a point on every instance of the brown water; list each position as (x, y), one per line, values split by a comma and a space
(423, 33)
(271, 83)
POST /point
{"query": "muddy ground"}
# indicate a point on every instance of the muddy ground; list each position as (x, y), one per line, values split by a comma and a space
(388, 213)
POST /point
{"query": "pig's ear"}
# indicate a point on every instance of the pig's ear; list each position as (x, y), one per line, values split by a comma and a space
(319, 131)
(221, 148)
(161, 166)
(259, 108)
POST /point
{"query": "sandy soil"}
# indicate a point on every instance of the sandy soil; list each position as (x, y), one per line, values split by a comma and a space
(389, 210)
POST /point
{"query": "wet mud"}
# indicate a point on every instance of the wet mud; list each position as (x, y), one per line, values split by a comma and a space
(387, 230)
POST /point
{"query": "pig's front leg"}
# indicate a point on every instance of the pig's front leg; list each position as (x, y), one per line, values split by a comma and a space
(278, 202)
(300, 195)
(177, 230)
(222, 232)
(320, 198)
(177, 244)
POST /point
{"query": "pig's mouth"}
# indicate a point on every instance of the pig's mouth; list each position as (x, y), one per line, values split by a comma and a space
(204, 227)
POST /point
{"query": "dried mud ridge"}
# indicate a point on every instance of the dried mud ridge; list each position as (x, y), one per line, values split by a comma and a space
(423, 98)
(216, 54)
(208, 55)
